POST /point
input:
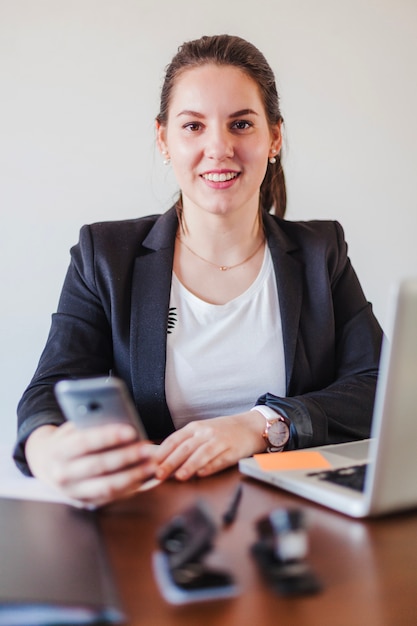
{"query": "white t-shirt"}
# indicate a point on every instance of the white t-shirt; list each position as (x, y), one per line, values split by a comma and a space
(221, 358)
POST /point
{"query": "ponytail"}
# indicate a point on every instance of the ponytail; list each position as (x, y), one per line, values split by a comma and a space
(273, 194)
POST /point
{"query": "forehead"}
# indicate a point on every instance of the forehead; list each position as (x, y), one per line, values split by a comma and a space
(198, 88)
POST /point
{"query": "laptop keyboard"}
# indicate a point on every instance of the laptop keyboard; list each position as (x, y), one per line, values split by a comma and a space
(352, 477)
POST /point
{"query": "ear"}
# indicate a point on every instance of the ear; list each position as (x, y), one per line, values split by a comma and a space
(276, 138)
(161, 137)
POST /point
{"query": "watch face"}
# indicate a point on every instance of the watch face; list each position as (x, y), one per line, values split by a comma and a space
(278, 433)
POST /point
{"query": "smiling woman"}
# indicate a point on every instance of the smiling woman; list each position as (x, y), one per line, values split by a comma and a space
(226, 52)
(235, 330)
(219, 140)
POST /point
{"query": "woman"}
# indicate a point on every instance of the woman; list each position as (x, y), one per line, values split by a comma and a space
(236, 331)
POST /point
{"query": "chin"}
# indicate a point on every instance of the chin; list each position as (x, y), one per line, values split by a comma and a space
(221, 207)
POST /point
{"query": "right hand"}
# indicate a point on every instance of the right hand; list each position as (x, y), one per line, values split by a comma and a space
(94, 465)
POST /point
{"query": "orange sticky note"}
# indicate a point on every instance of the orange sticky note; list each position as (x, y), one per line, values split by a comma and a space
(294, 460)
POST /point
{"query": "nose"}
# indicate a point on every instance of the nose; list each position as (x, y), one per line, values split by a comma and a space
(219, 144)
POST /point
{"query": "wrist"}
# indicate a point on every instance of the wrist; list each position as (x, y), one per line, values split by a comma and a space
(257, 425)
(34, 447)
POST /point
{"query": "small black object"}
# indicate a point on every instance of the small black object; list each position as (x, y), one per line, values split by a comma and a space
(188, 536)
(352, 477)
(184, 541)
(229, 515)
(281, 550)
(199, 576)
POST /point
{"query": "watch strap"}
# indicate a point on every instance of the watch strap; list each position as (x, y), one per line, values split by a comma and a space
(266, 411)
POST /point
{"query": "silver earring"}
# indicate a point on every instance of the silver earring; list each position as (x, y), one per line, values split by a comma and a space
(166, 160)
(272, 159)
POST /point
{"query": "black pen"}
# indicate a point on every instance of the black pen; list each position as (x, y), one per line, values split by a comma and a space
(230, 514)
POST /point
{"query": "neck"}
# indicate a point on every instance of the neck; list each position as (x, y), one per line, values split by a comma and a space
(215, 235)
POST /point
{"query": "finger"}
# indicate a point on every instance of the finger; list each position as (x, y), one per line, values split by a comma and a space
(210, 460)
(172, 442)
(218, 463)
(104, 489)
(176, 449)
(192, 456)
(77, 442)
(103, 463)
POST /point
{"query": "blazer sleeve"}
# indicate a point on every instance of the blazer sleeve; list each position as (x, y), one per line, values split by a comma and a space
(79, 343)
(340, 409)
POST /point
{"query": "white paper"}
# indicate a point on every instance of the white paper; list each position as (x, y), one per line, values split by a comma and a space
(13, 484)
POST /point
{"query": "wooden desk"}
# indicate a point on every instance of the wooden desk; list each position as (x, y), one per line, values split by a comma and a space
(368, 569)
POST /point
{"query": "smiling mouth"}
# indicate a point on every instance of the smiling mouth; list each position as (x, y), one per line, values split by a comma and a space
(216, 177)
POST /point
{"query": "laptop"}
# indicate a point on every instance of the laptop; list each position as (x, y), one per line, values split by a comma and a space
(388, 460)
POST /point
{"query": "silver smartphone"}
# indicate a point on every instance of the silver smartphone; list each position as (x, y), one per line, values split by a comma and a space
(94, 401)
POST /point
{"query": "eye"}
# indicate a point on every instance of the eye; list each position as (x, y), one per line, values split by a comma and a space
(192, 127)
(242, 125)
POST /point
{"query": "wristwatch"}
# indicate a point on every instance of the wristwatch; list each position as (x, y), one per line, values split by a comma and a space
(277, 429)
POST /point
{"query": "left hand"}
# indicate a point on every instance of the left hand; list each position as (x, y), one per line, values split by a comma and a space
(207, 446)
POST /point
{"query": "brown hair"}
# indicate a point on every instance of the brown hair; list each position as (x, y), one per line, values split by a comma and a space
(235, 51)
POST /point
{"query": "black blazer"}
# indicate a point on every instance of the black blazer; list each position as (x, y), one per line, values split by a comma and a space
(113, 313)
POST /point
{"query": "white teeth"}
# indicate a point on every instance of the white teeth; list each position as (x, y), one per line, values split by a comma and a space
(220, 178)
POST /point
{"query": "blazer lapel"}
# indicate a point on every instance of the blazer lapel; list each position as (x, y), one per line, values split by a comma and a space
(151, 285)
(288, 274)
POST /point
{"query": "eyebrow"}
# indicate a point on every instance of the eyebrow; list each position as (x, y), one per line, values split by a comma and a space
(200, 115)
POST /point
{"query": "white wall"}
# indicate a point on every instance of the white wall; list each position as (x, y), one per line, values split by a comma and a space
(80, 83)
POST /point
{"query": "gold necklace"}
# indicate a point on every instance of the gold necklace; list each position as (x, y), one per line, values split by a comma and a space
(222, 268)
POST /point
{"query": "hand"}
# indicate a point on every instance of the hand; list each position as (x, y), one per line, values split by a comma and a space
(94, 465)
(207, 446)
